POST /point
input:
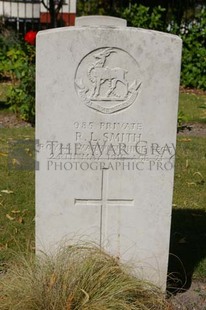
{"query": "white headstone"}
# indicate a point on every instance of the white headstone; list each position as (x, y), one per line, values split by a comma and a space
(107, 102)
(95, 20)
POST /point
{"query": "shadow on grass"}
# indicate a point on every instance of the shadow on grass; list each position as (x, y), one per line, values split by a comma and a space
(187, 247)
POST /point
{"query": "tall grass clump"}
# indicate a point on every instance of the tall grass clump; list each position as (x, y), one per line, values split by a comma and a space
(76, 278)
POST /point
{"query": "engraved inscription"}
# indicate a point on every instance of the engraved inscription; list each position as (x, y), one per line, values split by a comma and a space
(102, 145)
(108, 80)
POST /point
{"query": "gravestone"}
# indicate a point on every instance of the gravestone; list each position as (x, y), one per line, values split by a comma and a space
(107, 98)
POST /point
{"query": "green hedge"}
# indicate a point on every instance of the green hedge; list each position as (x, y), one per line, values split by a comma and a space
(194, 53)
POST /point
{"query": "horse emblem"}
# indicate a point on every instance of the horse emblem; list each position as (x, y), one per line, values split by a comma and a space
(102, 86)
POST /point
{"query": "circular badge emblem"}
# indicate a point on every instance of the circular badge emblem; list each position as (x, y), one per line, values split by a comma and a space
(108, 80)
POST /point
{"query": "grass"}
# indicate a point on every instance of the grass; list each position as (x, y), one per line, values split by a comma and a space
(16, 194)
(190, 173)
(192, 108)
(188, 231)
(78, 277)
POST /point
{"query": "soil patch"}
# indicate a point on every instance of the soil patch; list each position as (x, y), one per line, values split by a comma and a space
(192, 91)
(10, 120)
(193, 129)
(192, 299)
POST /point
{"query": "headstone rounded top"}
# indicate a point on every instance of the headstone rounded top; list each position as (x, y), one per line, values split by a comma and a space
(100, 21)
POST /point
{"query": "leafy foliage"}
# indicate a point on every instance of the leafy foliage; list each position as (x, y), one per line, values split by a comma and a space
(17, 64)
(8, 40)
(141, 16)
(100, 7)
(194, 53)
(21, 95)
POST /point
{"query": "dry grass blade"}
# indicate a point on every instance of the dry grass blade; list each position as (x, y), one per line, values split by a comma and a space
(80, 277)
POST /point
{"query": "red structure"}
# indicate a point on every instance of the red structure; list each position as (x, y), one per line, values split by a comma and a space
(67, 19)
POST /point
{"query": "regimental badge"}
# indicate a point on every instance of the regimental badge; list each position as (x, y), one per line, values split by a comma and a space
(108, 80)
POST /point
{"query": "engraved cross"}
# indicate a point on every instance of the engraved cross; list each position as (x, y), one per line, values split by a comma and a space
(103, 202)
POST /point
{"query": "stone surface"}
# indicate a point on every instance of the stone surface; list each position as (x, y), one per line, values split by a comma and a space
(106, 130)
(96, 21)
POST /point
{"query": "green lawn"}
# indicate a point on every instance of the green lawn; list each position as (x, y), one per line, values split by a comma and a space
(190, 173)
(192, 107)
(16, 195)
(188, 234)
